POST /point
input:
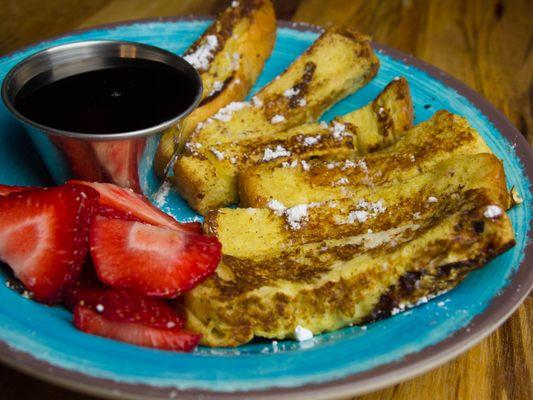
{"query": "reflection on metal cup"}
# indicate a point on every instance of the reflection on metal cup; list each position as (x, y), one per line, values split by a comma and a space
(103, 157)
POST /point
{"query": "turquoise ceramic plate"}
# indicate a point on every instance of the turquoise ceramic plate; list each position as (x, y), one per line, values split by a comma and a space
(42, 341)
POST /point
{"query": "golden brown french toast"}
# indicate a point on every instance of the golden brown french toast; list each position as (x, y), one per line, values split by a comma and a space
(428, 143)
(381, 122)
(338, 63)
(310, 85)
(385, 264)
(229, 57)
(356, 133)
(256, 232)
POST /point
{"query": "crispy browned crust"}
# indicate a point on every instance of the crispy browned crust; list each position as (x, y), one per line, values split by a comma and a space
(311, 77)
(326, 285)
(271, 232)
(384, 120)
(257, 23)
(363, 133)
(430, 142)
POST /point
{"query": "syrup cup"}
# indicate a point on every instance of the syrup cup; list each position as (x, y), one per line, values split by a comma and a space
(91, 156)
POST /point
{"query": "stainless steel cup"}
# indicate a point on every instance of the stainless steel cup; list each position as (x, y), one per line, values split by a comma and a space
(90, 156)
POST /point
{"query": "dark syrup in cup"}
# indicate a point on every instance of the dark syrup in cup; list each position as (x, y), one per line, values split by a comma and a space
(131, 95)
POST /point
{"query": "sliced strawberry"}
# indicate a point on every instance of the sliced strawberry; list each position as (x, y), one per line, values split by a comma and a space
(87, 290)
(6, 189)
(81, 158)
(113, 213)
(91, 296)
(118, 159)
(43, 236)
(137, 205)
(88, 274)
(150, 260)
(125, 306)
(91, 322)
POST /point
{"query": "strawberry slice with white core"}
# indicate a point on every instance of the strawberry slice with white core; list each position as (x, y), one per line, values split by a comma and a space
(7, 189)
(136, 205)
(150, 260)
(43, 237)
(113, 213)
(125, 306)
(94, 323)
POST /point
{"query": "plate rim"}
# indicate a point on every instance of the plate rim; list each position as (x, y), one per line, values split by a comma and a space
(500, 308)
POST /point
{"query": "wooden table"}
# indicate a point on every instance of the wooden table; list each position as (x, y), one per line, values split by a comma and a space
(486, 44)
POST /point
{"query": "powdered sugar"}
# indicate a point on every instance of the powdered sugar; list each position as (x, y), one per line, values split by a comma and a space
(362, 164)
(276, 119)
(257, 102)
(311, 140)
(296, 215)
(291, 92)
(365, 210)
(193, 146)
(342, 181)
(279, 151)
(226, 113)
(292, 164)
(218, 154)
(301, 334)
(160, 197)
(217, 87)
(276, 206)
(375, 207)
(338, 130)
(203, 55)
(358, 215)
(492, 212)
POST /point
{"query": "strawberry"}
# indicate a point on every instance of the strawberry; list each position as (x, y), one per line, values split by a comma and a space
(125, 306)
(87, 290)
(6, 189)
(84, 294)
(43, 236)
(91, 322)
(113, 213)
(118, 159)
(136, 205)
(150, 260)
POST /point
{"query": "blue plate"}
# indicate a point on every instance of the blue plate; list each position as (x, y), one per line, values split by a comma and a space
(42, 341)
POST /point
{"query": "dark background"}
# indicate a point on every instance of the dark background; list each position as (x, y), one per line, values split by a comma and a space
(485, 43)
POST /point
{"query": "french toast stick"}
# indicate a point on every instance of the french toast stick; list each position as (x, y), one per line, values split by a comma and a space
(355, 133)
(326, 285)
(339, 62)
(442, 136)
(414, 198)
(229, 56)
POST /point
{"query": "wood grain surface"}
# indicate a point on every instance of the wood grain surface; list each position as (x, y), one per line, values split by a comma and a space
(485, 43)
